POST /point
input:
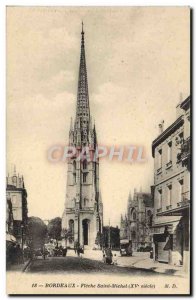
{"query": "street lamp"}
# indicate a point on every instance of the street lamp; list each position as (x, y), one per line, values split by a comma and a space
(109, 237)
(22, 241)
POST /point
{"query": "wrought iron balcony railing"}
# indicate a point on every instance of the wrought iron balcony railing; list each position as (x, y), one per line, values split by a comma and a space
(169, 164)
(185, 149)
(168, 207)
(159, 209)
(185, 199)
(159, 171)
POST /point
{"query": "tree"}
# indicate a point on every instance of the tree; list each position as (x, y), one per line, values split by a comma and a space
(55, 228)
(99, 239)
(37, 231)
(67, 234)
(114, 238)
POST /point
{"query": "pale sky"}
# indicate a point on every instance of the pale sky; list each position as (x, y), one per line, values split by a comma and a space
(138, 64)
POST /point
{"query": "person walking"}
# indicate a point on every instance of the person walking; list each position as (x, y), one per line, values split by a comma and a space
(115, 260)
(108, 256)
(44, 252)
(78, 251)
(64, 251)
(19, 255)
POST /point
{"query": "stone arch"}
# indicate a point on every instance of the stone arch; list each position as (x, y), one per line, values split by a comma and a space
(133, 214)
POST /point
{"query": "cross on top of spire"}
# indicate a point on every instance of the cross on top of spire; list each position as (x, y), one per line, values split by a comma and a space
(82, 28)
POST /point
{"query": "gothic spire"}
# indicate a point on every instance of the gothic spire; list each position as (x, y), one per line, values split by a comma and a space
(82, 110)
(130, 197)
(71, 125)
(14, 170)
(129, 201)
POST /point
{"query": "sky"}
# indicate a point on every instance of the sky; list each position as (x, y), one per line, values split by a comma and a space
(138, 70)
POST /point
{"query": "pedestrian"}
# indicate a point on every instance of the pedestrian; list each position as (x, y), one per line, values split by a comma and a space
(104, 259)
(64, 251)
(12, 254)
(81, 250)
(44, 253)
(115, 260)
(19, 255)
(75, 247)
(78, 251)
(108, 256)
(151, 254)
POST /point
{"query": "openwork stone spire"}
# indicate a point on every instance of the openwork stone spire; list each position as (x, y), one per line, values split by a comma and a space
(82, 110)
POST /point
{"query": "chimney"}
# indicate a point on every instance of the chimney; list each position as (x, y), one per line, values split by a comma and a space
(179, 111)
(161, 126)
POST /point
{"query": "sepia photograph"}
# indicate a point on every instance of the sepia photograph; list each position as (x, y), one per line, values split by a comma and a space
(98, 150)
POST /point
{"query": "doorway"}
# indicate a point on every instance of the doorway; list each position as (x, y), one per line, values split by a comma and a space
(85, 226)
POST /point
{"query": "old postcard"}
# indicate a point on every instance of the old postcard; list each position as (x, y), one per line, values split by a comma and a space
(98, 150)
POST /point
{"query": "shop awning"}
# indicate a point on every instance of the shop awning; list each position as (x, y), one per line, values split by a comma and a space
(125, 241)
(10, 238)
(162, 228)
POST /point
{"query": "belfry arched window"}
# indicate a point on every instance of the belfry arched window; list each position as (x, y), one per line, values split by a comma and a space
(85, 177)
(84, 164)
(74, 171)
(133, 214)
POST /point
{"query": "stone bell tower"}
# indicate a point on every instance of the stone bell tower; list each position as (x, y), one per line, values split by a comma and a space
(82, 219)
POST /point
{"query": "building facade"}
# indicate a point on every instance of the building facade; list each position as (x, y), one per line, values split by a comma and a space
(9, 220)
(83, 214)
(17, 210)
(136, 224)
(171, 153)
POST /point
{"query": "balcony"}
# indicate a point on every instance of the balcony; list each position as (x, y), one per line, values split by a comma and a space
(159, 171)
(185, 152)
(179, 157)
(185, 200)
(70, 209)
(168, 207)
(179, 209)
(169, 165)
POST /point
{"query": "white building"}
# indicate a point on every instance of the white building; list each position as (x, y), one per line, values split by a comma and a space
(171, 153)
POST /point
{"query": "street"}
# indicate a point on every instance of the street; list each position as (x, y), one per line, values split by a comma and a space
(91, 262)
(75, 264)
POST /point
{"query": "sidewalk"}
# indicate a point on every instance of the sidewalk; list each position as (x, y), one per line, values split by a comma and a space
(19, 267)
(146, 263)
(139, 260)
